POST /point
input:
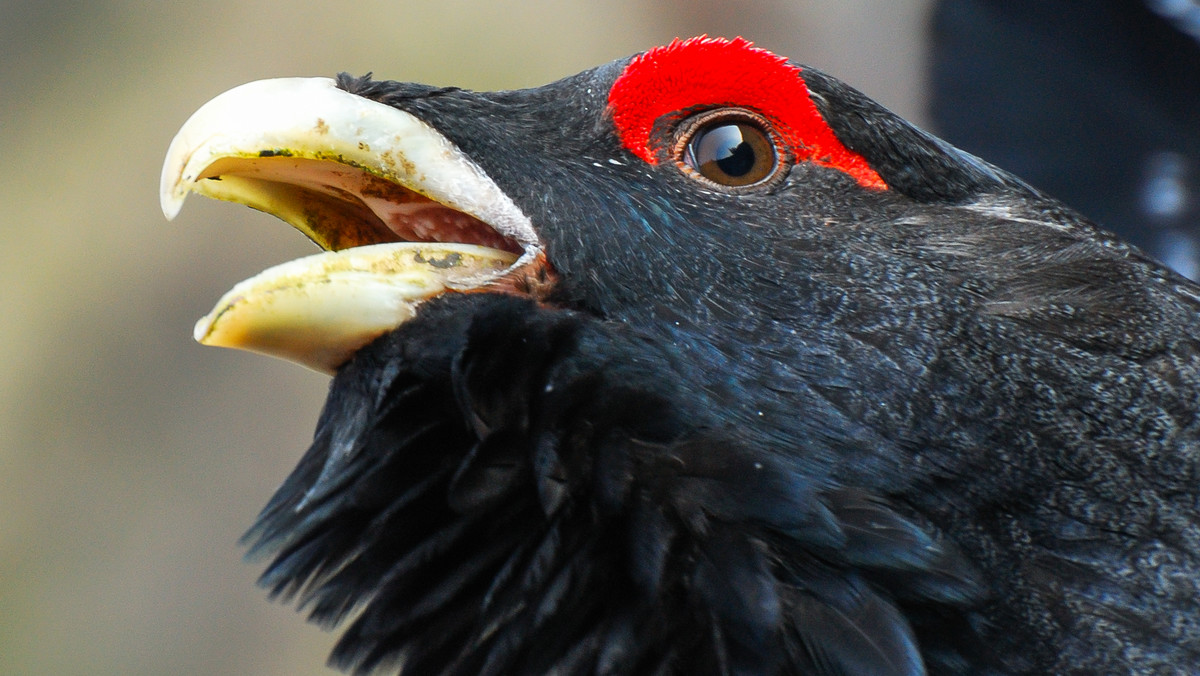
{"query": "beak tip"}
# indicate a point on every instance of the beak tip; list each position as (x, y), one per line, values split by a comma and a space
(170, 207)
(202, 329)
(171, 189)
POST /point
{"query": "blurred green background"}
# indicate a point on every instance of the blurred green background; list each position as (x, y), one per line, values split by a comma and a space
(131, 459)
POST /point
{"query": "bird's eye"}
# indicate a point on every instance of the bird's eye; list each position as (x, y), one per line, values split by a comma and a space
(729, 148)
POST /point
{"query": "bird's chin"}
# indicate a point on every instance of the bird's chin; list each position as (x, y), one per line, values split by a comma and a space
(401, 214)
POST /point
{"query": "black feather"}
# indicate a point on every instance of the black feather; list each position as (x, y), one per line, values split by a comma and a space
(555, 542)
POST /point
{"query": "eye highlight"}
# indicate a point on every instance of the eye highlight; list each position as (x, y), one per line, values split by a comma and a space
(729, 147)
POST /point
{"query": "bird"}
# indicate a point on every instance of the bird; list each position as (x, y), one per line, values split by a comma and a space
(703, 362)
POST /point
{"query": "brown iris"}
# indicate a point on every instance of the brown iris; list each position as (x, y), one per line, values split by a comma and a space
(731, 148)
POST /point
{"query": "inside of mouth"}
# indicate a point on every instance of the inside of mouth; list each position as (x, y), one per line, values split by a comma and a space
(340, 206)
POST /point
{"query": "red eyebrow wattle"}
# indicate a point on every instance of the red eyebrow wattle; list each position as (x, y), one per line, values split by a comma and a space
(705, 72)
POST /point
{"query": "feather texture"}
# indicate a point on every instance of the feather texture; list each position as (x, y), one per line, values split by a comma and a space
(522, 505)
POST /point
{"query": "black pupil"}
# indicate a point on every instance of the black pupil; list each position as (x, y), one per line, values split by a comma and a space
(727, 147)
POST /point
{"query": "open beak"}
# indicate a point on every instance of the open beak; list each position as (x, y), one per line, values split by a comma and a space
(402, 214)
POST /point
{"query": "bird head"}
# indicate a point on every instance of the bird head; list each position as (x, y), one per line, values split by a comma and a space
(706, 183)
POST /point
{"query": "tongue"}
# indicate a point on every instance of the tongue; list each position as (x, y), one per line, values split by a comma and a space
(427, 221)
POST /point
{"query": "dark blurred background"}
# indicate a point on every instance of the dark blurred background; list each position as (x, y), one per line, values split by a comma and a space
(1095, 101)
(131, 459)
